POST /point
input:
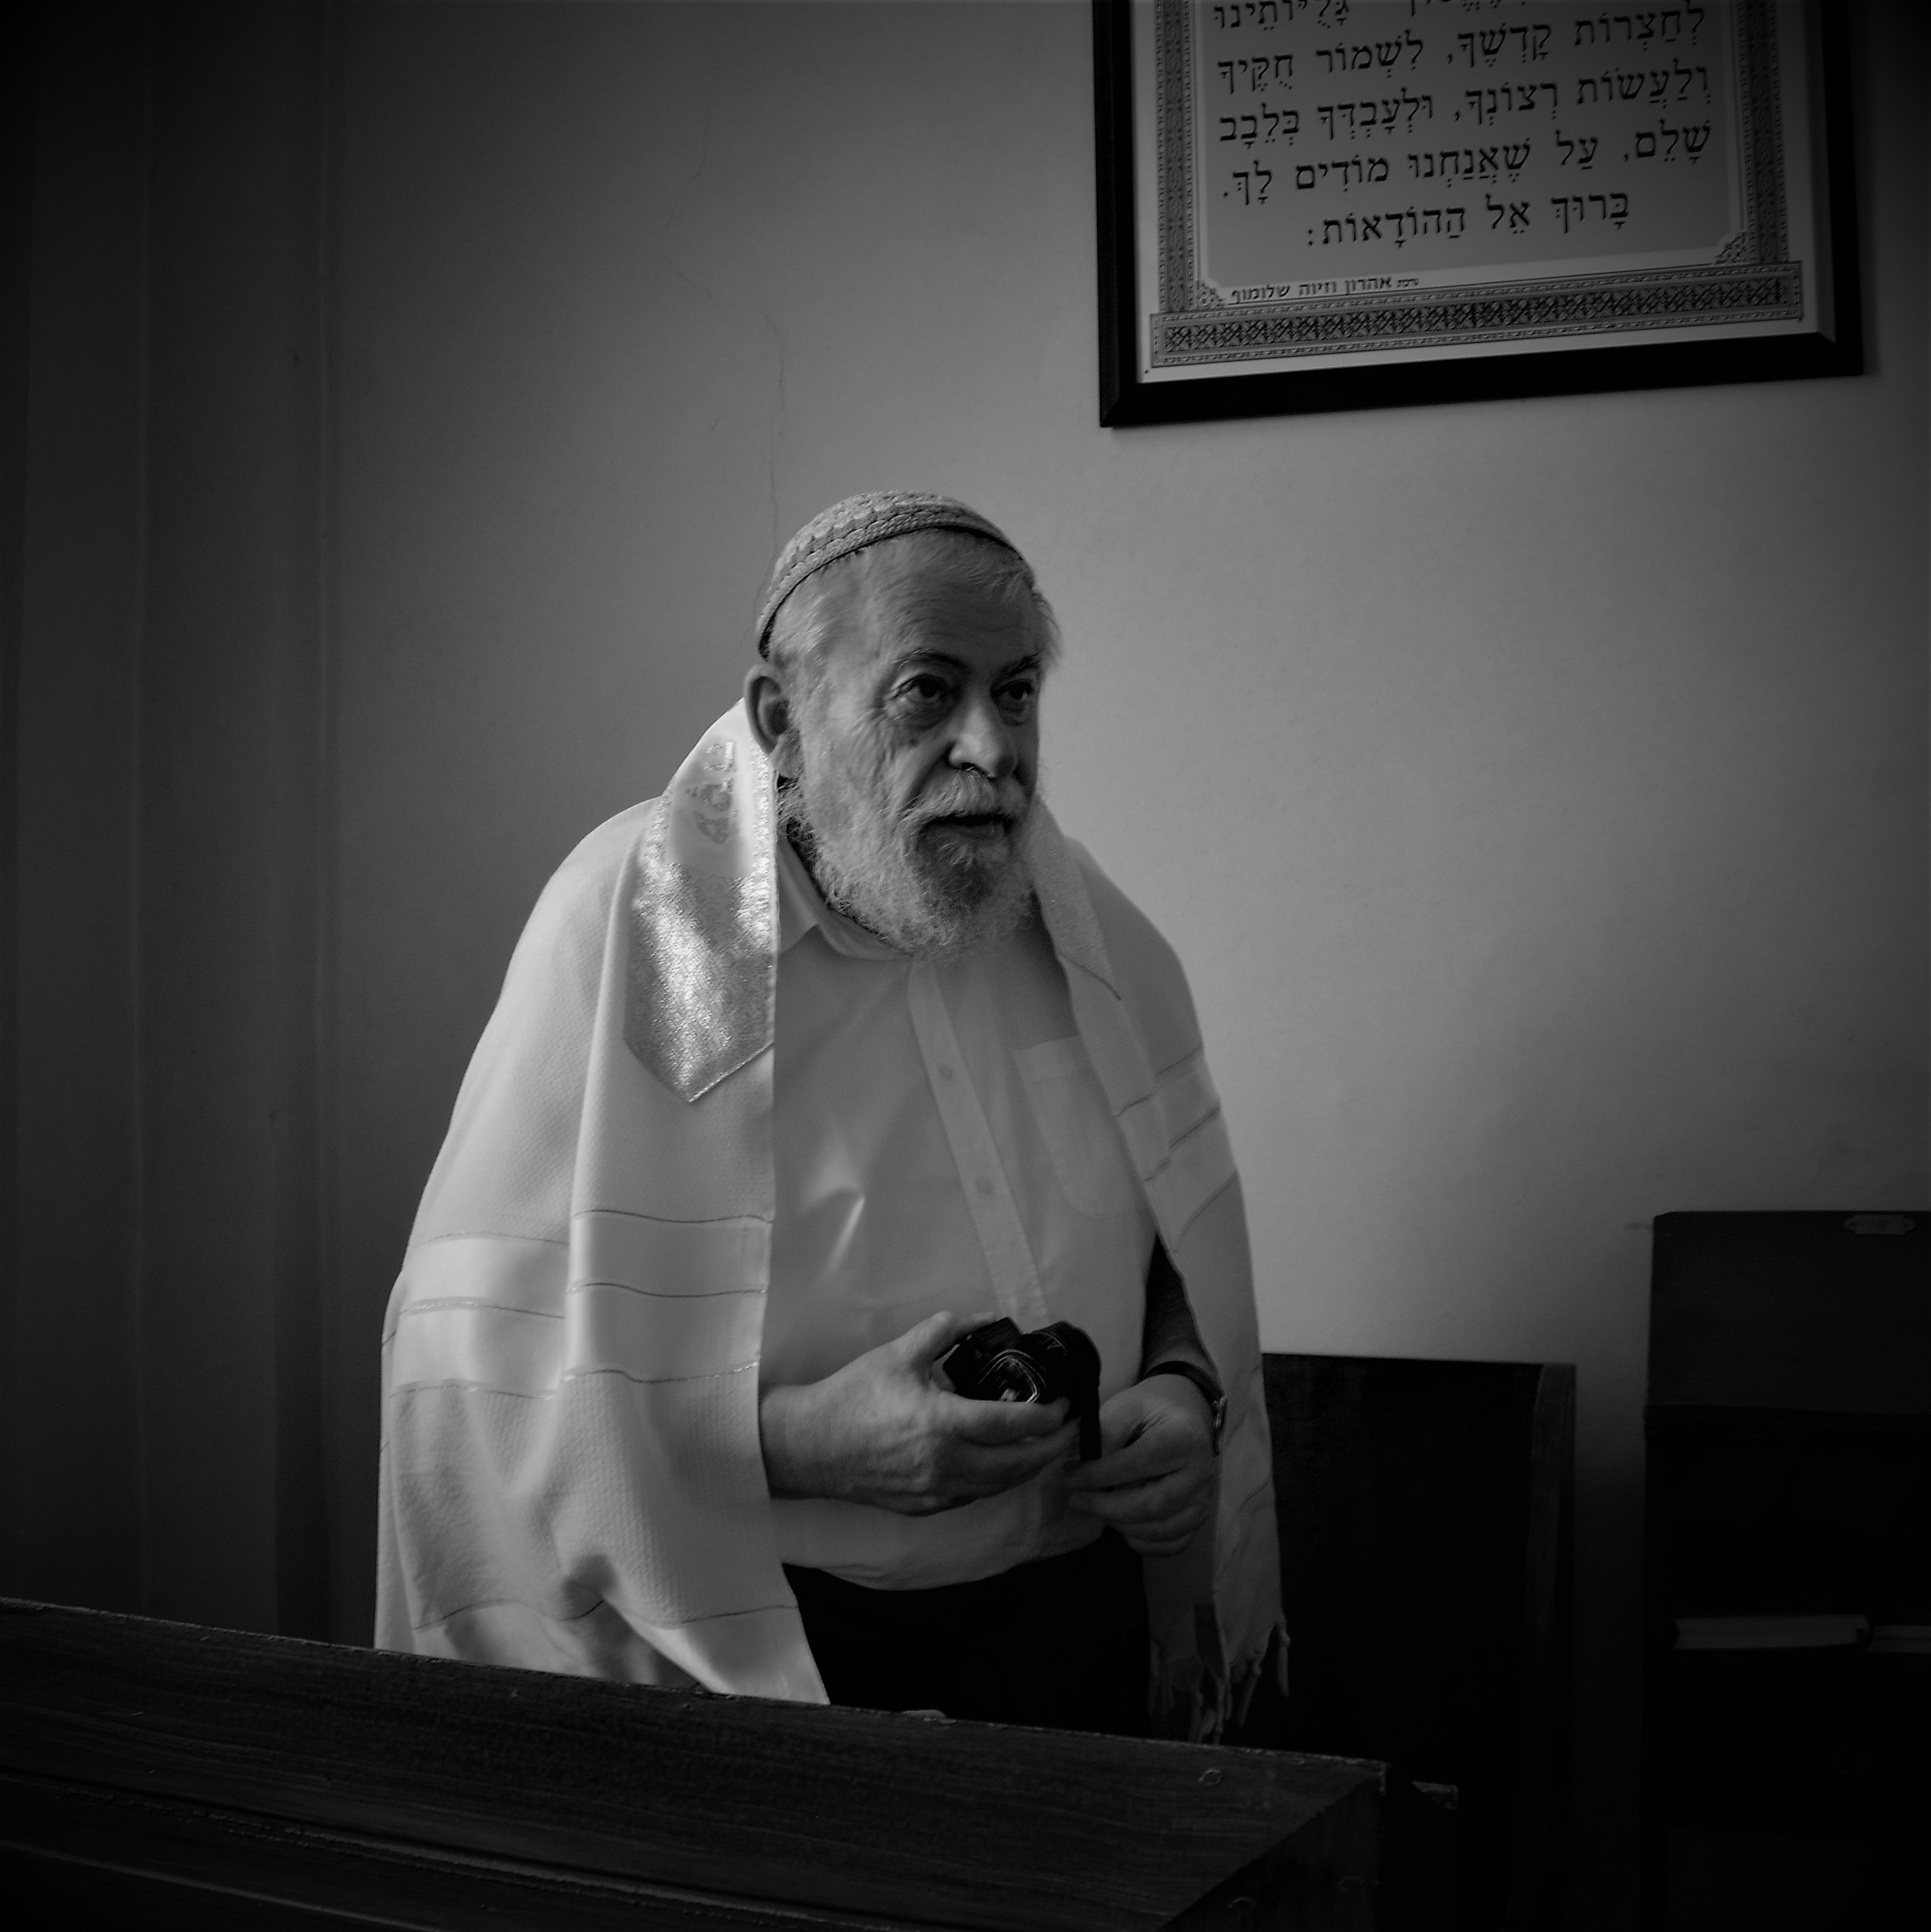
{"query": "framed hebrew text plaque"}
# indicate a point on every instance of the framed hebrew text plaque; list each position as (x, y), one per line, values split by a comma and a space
(1339, 204)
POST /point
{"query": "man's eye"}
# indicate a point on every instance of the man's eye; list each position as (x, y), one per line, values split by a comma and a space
(924, 690)
(1016, 701)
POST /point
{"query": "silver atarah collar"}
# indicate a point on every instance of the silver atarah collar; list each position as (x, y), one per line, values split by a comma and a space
(703, 971)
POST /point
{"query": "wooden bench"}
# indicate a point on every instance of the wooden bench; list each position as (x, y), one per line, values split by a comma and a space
(172, 1774)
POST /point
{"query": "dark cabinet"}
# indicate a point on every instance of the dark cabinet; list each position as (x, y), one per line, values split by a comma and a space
(1424, 1509)
(1787, 1668)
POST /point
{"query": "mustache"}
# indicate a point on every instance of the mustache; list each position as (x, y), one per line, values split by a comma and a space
(970, 795)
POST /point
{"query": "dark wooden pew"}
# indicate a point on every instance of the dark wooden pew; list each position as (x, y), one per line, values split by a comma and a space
(204, 1778)
(157, 1774)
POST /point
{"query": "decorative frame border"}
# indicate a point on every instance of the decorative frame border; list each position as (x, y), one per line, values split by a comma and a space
(1750, 281)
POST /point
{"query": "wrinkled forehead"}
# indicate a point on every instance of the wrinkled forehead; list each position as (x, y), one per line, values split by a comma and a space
(923, 594)
(940, 582)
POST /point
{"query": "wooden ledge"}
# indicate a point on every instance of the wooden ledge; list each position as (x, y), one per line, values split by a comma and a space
(365, 1785)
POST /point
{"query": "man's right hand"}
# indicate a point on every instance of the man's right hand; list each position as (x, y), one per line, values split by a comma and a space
(882, 1430)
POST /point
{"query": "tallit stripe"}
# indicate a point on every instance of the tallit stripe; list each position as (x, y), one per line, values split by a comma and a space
(1186, 1095)
(509, 1271)
(673, 1260)
(662, 1338)
(1144, 1133)
(507, 1349)
(764, 1647)
(1198, 1168)
(759, 1653)
(1182, 1099)
(597, 1644)
(482, 1309)
(557, 1522)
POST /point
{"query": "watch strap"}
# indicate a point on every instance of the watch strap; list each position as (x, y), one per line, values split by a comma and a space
(1216, 1400)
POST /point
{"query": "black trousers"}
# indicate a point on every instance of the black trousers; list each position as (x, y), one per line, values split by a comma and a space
(1062, 1642)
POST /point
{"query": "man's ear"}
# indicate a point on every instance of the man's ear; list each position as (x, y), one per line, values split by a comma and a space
(766, 705)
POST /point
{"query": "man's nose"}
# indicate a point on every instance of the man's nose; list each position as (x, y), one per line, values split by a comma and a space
(984, 739)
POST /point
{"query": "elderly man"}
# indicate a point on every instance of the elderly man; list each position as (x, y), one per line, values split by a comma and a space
(800, 1073)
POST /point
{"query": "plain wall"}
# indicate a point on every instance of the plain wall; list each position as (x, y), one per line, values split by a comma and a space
(1536, 791)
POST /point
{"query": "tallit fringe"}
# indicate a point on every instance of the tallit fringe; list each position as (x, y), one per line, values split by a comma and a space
(1188, 1699)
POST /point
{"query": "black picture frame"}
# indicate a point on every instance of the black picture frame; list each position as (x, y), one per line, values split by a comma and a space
(1125, 401)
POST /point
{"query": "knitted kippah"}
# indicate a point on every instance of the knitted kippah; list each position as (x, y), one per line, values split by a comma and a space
(853, 524)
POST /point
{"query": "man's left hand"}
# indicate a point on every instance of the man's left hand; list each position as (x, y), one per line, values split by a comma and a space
(1153, 1480)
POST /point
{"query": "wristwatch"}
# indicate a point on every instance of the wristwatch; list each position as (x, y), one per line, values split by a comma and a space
(1216, 1399)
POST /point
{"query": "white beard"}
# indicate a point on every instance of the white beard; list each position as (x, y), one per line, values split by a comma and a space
(931, 894)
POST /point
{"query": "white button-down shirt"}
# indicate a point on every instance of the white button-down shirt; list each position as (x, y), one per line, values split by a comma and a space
(940, 1141)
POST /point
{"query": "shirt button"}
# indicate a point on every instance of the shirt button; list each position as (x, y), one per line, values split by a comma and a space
(985, 1187)
(947, 1073)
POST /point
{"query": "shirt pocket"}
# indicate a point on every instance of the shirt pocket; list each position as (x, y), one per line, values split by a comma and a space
(1089, 1158)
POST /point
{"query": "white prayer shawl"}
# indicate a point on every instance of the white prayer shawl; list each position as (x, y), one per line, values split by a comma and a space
(571, 1478)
